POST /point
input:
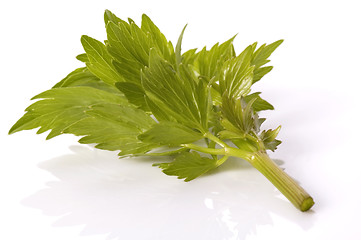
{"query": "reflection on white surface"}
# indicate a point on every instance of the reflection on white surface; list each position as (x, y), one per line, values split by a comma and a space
(130, 199)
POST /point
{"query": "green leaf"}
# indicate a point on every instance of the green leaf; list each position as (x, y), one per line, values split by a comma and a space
(100, 62)
(260, 58)
(134, 93)
(239, 114)
(157, 111)
(59, 108)
(231, 131)
(72, 77)
(270, 135)
(83, 77)
(269, 138)
(189, 165)
(272, 145)
(157, 39)
(260, 72)
(208, 64)
(102, 117)
(114, 127)
(129, 48)
(170, 133)
(259, 103)
(178, 54)
(83, 57)
(237, 75)
(246, 144)
(181, 98)
(110, 17)
(226, 134)
(189, 57)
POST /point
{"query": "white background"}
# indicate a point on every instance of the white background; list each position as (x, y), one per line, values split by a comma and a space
(59, 189)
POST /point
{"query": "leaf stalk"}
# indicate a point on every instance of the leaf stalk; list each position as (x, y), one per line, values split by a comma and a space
(261, 161)
(282, 181)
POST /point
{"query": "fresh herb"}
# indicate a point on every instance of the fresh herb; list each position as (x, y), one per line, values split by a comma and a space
(139, 95)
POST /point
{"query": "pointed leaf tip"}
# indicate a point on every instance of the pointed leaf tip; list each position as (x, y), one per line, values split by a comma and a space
(178, 48)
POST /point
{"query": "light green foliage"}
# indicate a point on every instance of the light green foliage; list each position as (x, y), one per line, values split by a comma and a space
(260, 58)
(115, 127)
(59, 108)
(134, 93)
(179, 99)
(138, 93)
(157, 39)
(269, 138)
(126, 44)
(188, 165)
(100, 61)
(239, 115)
(170, 133)
(83, 77)
(236, 75)
(208, 63)
(259, 104)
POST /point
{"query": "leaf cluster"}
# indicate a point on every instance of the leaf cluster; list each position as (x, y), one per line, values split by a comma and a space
(137, 93)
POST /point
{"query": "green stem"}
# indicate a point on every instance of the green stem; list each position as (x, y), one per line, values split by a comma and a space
(283, 182)
(261, 161)
(182, 149)
(213, 138)
(222, 160)
(212, 144)
(212, 151)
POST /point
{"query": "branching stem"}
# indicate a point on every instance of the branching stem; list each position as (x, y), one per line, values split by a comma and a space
(212, 151)
(167, 153)
(261, 161)
(213, 138)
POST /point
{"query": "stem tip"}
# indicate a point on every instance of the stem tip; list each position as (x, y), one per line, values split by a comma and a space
(307, 204)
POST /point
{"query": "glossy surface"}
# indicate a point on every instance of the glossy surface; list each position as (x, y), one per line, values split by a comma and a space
(93, 193)
(120, 197)
(128, 198)
(61, 190)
